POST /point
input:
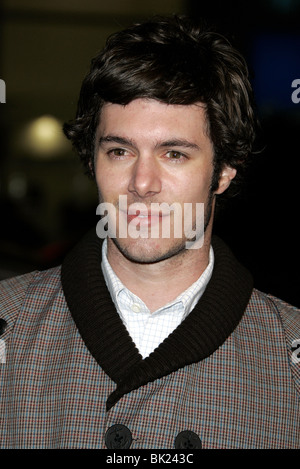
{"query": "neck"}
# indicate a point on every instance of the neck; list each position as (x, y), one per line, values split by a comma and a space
(156, 284)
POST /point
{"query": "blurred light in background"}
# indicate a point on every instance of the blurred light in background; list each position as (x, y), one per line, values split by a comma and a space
(43, 137)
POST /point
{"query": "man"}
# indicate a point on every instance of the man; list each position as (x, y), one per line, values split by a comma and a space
(144, 340)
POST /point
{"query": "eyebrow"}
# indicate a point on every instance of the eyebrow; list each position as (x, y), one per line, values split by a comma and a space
(179, 143)
(116, 139)
(164, 144)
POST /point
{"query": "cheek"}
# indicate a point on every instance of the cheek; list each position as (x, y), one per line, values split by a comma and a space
(110, 184)
(197, 187)
(104, 183)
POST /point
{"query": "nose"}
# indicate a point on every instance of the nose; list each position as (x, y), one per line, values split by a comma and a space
(145, 179)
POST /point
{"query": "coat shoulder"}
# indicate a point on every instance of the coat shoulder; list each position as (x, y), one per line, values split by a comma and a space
(283, 318)
(16, 290)
(288, 314)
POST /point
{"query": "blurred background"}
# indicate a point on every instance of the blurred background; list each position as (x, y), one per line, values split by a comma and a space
(46, 201)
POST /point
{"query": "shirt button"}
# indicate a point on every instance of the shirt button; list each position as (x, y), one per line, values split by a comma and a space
(187, 440)
(135, 307)
(3, 326)
(118, 437)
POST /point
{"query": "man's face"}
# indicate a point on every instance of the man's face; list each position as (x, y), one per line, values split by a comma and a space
(152, 153)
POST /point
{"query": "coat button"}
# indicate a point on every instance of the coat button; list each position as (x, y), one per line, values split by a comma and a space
(187, 440)
(118, 436)
(3, 326)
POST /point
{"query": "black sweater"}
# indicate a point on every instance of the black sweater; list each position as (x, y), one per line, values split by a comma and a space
(213, 319)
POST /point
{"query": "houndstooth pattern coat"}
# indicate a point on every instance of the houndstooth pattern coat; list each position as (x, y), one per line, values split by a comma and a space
(71, 371)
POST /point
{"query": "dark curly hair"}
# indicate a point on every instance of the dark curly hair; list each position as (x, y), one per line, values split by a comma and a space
(175, 61)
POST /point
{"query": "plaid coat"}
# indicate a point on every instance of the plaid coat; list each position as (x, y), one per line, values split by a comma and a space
(54, 390)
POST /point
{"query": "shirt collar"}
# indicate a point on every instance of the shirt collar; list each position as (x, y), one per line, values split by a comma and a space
(188, 298)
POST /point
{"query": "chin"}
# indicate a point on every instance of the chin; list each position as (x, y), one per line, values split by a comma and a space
(142, 252)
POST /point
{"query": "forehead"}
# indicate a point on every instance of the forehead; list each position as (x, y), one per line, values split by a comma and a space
(151, 118)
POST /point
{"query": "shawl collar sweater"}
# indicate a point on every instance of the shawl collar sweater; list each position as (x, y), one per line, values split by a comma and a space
(213, 319)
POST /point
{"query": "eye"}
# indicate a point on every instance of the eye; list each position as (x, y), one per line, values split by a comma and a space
(174, 155)
(117, 153)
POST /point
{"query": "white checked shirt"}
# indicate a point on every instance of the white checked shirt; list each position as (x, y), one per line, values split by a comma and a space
(147, 329)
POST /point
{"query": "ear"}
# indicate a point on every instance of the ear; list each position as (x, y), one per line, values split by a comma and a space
(226, 176)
